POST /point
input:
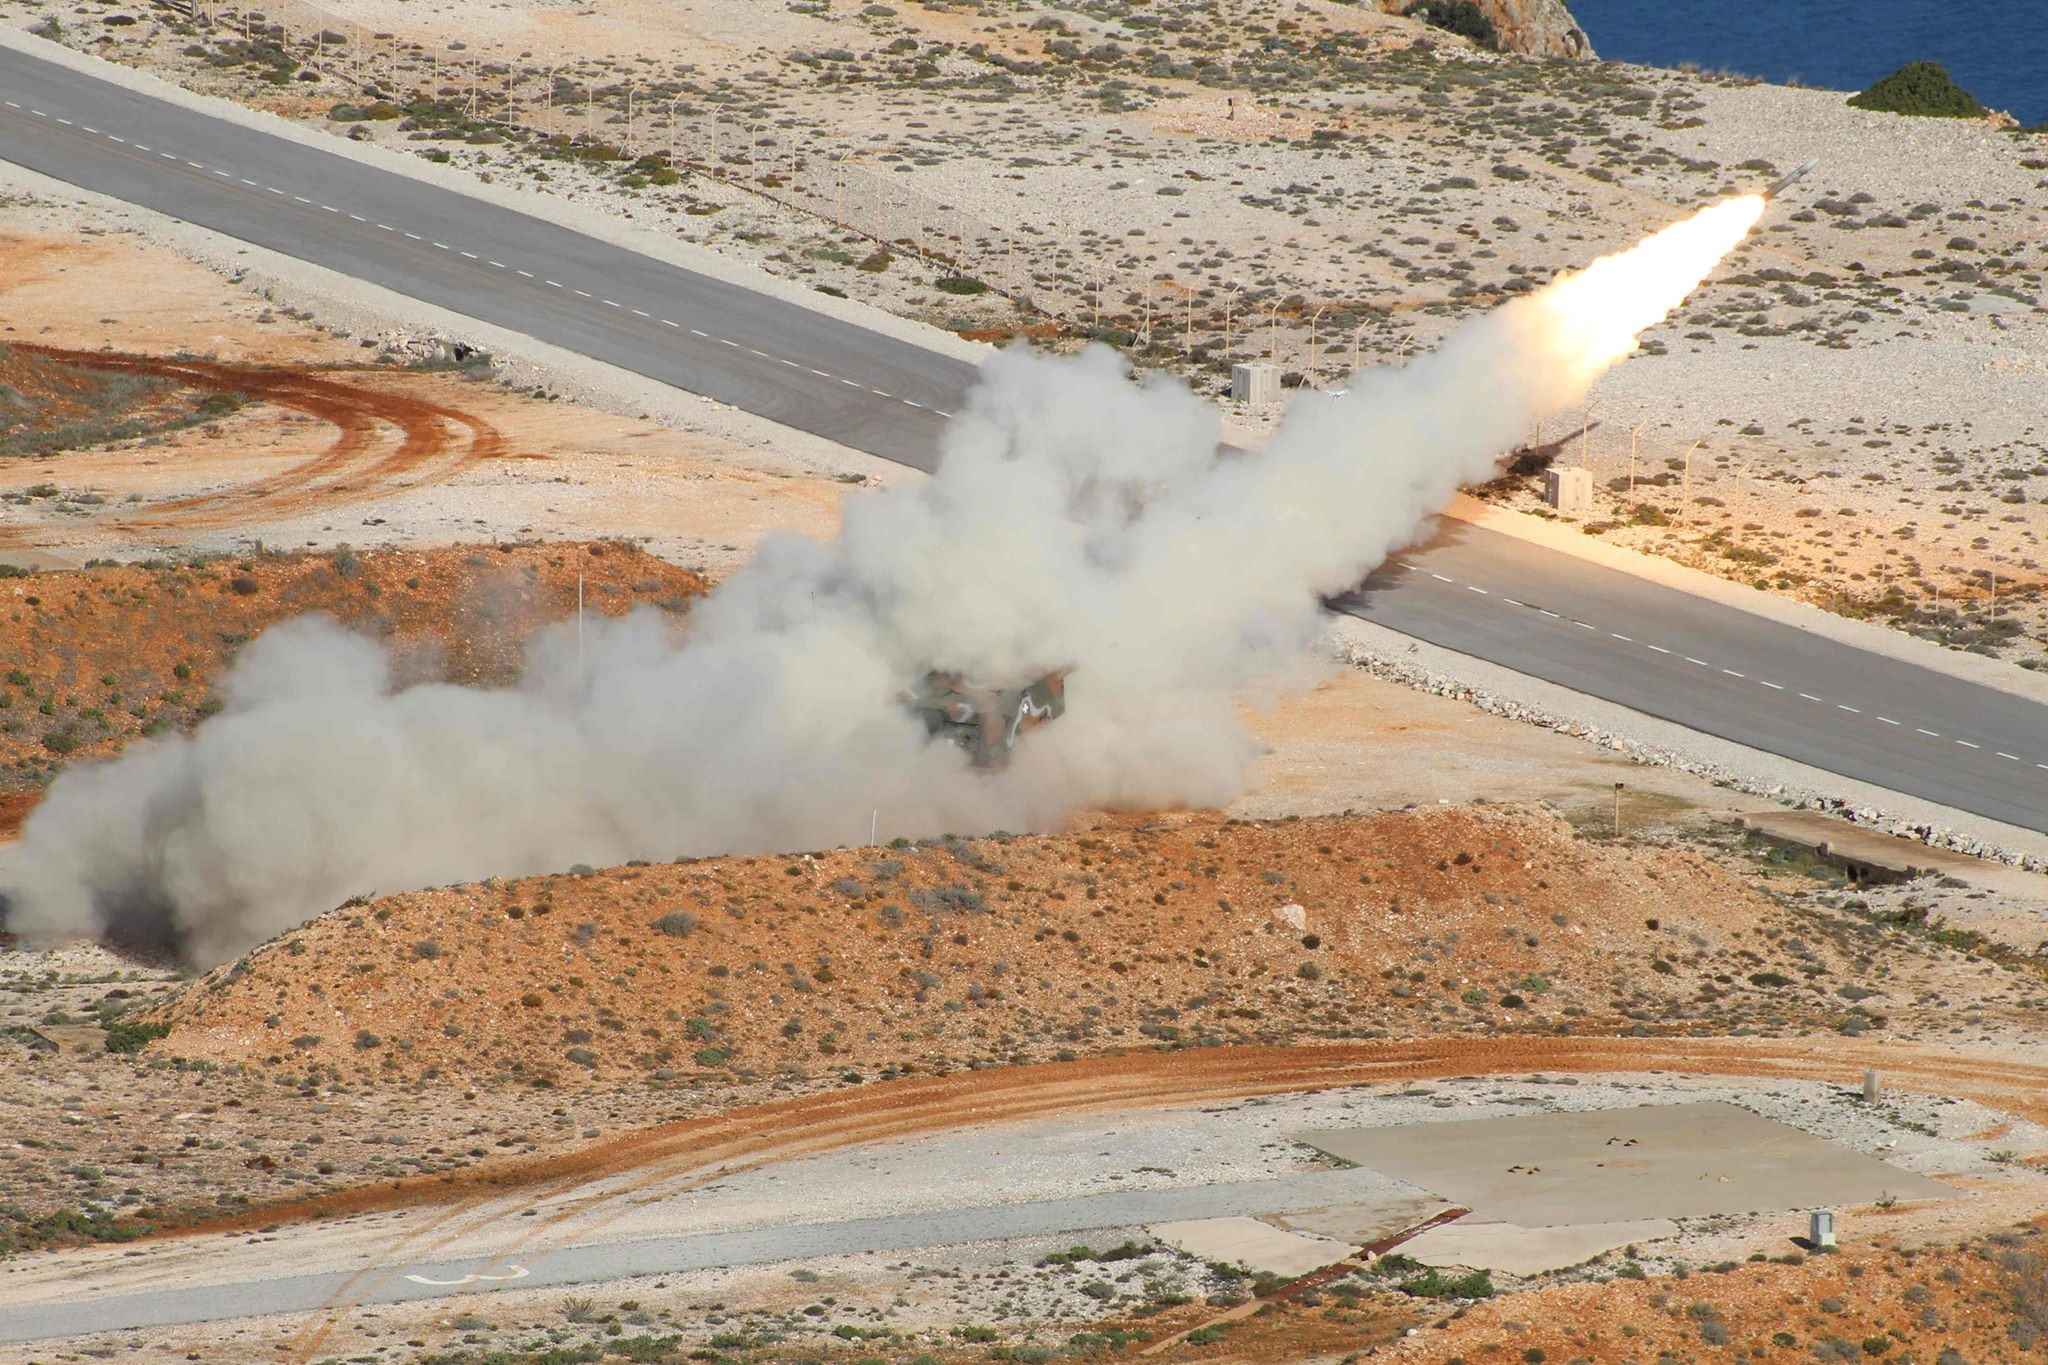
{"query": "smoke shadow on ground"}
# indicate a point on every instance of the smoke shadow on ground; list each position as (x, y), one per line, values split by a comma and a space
(1357, 601)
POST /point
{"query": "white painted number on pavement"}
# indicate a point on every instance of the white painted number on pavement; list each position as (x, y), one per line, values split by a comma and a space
(512, 1273)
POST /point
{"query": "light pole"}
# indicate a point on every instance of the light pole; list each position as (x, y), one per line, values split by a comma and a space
(673, 129)
(1357, 339)
(1309, 371)
(551, 101)
(1229, 300)
(1633, 437)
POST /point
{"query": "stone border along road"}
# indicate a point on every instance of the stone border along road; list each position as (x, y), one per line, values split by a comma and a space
(1960, 744)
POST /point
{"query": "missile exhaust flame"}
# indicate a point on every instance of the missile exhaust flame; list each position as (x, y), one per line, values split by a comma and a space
(1076, 516)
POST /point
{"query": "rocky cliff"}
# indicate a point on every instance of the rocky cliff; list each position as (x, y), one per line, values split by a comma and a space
(1540, 28)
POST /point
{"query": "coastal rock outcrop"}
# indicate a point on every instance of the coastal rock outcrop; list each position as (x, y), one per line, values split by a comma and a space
(1538, 28)
(1535, 28)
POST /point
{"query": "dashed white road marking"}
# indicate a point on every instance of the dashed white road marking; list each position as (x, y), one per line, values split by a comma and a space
(1702, 663)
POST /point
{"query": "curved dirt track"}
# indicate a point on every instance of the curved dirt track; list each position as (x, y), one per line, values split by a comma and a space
(383, 440)
(783, 1129)
(699, 1151)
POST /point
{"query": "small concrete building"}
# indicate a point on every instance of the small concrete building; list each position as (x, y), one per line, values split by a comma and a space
(1568, 488)
(1255, 384)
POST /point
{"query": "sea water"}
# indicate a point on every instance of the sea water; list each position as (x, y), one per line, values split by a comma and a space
(1995, 49)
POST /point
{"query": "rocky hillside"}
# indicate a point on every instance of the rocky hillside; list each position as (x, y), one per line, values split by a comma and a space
(1183, 932)
(94, 659)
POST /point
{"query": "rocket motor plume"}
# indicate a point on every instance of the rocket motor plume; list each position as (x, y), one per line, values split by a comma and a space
(1076, 518)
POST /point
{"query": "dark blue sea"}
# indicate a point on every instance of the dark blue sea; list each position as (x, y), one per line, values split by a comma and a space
(1996, 49)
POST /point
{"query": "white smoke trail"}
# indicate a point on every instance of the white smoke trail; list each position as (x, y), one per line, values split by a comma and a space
(1077, 518)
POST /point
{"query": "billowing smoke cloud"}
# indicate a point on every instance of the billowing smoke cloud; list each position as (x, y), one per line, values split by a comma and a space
(1077, 519)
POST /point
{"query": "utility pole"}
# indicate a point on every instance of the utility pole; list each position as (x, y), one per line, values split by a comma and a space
(1617, 810)
(1685, 487)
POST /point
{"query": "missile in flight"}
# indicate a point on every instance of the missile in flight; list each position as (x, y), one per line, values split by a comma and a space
(1779, 186)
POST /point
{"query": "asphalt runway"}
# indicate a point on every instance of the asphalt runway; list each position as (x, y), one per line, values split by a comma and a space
(1700, 664)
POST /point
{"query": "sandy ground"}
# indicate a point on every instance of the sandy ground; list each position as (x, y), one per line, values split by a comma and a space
(1168, 180)
(531, 467)
(1946, 1121)
(1203, 215)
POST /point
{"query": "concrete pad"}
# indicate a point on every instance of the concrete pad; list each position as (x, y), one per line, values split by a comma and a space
(1254, 1245)
(1516, 1250)
(1658, 1161)
(1872, 855)
(1363, 1224)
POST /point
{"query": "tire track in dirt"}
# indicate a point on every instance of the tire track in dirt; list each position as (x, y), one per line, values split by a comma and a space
(692, 1152)
(384, 440)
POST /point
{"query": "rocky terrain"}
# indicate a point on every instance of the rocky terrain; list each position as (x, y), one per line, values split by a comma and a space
(1182, 932)
(1203, 184)
(98, 658)
(1199, 182)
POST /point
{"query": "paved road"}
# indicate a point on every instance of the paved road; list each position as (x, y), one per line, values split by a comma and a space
(1781, 689)
(1744, 678)
(259, 1296)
